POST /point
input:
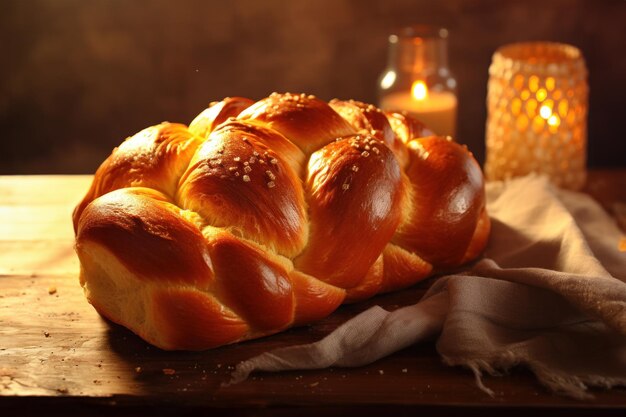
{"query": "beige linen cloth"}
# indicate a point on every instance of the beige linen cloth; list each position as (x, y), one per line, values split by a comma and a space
(550, 294)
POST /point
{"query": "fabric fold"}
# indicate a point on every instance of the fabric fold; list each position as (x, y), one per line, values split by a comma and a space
(550, 294)
(365, 338)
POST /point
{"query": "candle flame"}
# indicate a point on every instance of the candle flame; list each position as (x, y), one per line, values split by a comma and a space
(554, 121)
(419, 90)
(545, 112)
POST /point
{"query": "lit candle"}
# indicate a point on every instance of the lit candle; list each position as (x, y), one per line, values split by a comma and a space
(537, 113)
(436, 109)
(417, 78)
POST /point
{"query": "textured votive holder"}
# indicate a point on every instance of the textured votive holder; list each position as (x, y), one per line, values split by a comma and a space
(537, 113)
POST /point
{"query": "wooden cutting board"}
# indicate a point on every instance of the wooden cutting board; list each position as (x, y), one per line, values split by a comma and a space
(57, 356)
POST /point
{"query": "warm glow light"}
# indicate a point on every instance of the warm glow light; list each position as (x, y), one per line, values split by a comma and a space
(545, 112)
(537, 114)
(388, 79)
(554, 120)
(419, 90)
(541, 94)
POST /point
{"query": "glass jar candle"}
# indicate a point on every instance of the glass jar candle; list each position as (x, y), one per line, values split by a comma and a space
(537, 113)
(417, 78)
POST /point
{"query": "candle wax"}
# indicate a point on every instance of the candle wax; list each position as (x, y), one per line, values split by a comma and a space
(437, 111)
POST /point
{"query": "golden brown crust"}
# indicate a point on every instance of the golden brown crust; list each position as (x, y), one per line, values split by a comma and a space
(480, 237)
(236, 180)
(256, 288)
(368, 118)
(238, 228)
(155, 157)
(354, 190)
(147, 237)
(315, 298)
(217, 113)
(184, 317)
(407, 127)
(370, 285)
(365, 117)
(307, 121)
(447, 201)
(402, 268)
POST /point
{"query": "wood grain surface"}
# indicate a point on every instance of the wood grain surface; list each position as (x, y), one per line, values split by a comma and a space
(57, 356)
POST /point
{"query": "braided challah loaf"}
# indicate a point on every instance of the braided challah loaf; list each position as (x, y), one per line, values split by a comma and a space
(261, 216)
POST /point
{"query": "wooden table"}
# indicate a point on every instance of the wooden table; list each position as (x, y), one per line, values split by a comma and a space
(58, 357)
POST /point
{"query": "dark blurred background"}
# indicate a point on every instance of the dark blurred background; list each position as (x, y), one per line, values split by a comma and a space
(77, 76)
